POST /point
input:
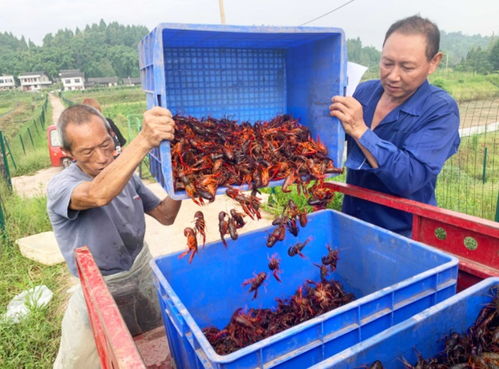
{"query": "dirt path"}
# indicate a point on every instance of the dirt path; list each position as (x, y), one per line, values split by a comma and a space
(36, 185)
(57, 107)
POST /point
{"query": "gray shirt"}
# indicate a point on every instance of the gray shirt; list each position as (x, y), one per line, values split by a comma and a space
(114, 233)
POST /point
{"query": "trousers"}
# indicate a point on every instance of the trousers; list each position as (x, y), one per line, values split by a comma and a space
(136, 297)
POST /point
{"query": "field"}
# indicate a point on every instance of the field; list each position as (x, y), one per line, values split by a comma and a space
(467, 86)
(469, 182)
(462, 186)
(119, 104)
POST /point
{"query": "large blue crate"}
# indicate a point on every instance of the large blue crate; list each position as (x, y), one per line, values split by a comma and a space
(392, 277)
(423, 333)
(245, 73)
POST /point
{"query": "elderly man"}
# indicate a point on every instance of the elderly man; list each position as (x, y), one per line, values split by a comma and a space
(98, 201)
(400, 129)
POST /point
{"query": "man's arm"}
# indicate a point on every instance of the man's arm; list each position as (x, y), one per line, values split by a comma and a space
(407, 169)
(158, 125)
(166, 211)
(349, 111)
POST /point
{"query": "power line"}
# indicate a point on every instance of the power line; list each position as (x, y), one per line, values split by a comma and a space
(329, 12)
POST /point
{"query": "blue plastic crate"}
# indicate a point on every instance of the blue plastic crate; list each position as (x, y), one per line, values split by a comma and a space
(392, 277)
(423, 333)
(245, 73)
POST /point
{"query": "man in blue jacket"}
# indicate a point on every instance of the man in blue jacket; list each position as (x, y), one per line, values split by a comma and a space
(400, 129)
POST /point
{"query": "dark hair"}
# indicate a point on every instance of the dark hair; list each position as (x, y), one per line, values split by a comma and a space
(417, 25)
(77, 114)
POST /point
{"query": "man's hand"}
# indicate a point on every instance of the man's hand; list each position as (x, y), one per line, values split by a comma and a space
(157, 126)
(349, 111)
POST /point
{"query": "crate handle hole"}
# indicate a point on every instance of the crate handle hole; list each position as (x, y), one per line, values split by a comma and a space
(470, 243)
(440, 233)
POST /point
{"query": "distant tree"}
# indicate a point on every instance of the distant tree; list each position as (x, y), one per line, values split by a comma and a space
(494, 56)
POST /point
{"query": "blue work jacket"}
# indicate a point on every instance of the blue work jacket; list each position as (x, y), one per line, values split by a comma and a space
(410, 144)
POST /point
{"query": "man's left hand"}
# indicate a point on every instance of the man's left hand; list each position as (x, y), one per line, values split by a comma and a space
(349, 111)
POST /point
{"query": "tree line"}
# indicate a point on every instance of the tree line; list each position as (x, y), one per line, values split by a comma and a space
(105, 50)
(98, 50)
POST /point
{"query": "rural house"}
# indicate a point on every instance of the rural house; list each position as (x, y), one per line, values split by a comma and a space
(34, 81)
(102, 82)
(7, 83)
(72, 79)
(131, 81)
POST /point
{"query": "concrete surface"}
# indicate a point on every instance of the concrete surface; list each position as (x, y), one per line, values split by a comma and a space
(36, 184)
(41, 247)
(167, 239)
(161, 239)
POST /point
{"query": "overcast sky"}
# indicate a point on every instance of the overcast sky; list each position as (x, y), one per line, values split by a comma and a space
(367, 19)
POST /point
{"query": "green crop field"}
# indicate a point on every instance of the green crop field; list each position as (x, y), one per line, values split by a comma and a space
(462, 186)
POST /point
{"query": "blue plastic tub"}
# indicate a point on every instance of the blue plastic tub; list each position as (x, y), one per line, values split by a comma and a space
(245, 73)
(423, 333)
(392, 277)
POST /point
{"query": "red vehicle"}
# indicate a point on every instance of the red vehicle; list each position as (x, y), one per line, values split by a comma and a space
(474, 241)
(58, 157)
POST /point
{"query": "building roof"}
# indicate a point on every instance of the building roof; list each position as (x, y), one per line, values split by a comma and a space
(31, 74)
(103, 80)
(132, 80)
(67, 73)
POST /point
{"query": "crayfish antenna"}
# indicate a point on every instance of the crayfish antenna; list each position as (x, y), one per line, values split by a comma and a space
(276, 276)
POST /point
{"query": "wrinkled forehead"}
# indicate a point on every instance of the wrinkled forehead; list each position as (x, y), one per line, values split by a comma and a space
(408, 45)
(87, 134)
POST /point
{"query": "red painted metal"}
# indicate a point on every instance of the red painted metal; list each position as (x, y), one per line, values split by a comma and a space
(475, 241)
(54, 145)
(113, 340)
(477, 261)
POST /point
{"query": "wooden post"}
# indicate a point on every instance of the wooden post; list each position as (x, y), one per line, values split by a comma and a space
(4, 164)
(222, 11)
(31, 138)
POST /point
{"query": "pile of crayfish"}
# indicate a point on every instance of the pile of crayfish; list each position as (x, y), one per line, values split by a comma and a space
(478, 348)
(210, 153)
(310, 300)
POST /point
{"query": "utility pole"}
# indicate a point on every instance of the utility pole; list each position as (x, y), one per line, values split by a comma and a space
(222, 11)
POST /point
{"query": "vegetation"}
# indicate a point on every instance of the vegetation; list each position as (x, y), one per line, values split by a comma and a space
(469, 182)
(22, 127)
(467, 86)
(33, 342)
(98, 50)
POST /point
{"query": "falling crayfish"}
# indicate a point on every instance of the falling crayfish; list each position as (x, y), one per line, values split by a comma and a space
(331, 258)
(297, 248)
(192, 243)
(250, 204)
(255, 282)
(223, 226)
(200, 225)
(274, 263)
(277, 234)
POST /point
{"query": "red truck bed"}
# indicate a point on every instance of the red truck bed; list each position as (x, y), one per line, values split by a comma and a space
(475, 241)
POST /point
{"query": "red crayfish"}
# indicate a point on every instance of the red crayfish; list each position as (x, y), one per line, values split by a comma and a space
(274, 263)
(192, 243)
(255, 282)
(200, 225)
(297, 249)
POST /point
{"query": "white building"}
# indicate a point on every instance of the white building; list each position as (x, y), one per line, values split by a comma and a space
(72, 79)
(34, 81)
(102, 82)
(7, 83)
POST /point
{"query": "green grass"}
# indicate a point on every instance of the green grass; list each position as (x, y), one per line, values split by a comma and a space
(35, 155)
(108, 96)
(33, 342)
(466, 86)
(277, 199)
(462, 185)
